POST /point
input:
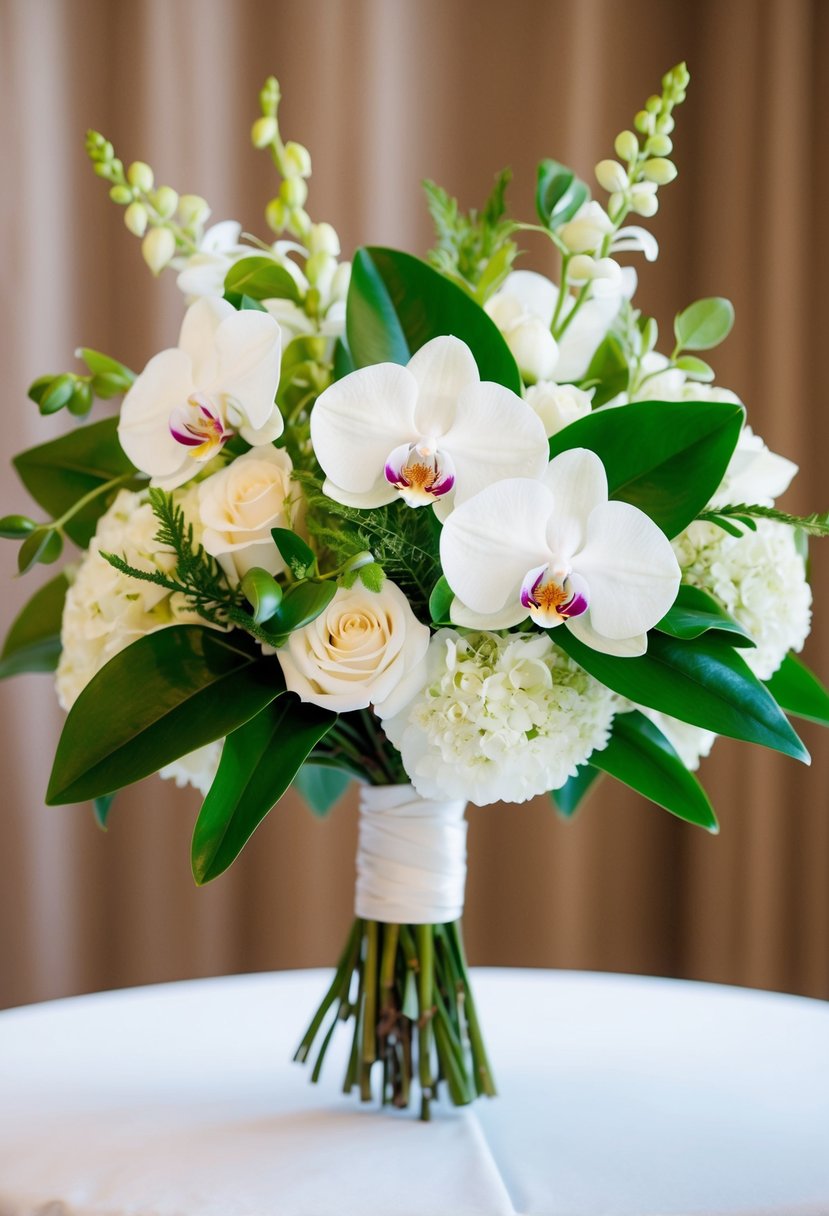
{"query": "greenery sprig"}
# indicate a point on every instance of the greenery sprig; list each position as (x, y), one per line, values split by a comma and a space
(730, 517)
(474, 249)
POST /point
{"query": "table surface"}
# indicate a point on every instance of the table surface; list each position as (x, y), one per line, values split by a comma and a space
(619, 1096)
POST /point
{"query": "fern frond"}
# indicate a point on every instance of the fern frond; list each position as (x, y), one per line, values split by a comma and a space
(816, 524)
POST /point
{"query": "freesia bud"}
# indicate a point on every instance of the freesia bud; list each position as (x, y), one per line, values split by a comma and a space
(140, 176)
(320, 269)
(611, 176)
(297, 159)
(299, 222)
(341, 281)
(644, 123)
(323, 239)
(193, 209)
(121, 195)
(135, 218)
(626, 145)
(659, 145)
(264, 131)
(659, 170)
(276, 215)
(580, 268)
(534, 349)
(165, 201)
(157, 248)
(588, 228)
(608, 269)
(665, 124)
(293, 192)
(643, 199)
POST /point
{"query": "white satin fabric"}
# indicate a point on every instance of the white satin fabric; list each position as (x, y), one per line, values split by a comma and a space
(411, 857)
(619, 1096)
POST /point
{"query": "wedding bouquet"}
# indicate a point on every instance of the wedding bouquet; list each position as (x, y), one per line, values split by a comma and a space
(451, 528)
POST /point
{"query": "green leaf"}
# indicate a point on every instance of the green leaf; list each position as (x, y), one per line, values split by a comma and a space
(105, 365)
(640, 756)
(167, 694)
(667, 458)
(57, 474)
(695, 612)
(798, 691)
(440, 601)
(262, 592)
(301, 604)
(33, 642)
(343, 363)
(101, 807)
(558, 193)
(372, 576)
(45, 545)
(569, 796)
(704, 682)
(262, 278)
(608, 370)
(396, 304)
(297, 556)
(321, 787)
(704, 324)
(243, 303)
(259, 761)
(695, 369)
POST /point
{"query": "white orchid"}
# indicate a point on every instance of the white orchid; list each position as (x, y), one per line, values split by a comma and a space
(557, 551)
(220, 380)
(429, 433)
(204, 272)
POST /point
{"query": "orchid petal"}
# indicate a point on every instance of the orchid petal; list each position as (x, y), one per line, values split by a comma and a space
(490, 542)
(221, 237)
(143, 430)
(630, 568)
(377, 495)
(634, 239)
(495, 435)
(248, 349)
(198, 334)
(536, 293)
(443, 368)
(622, 648)
(359, 420)
(513, 614)
(578, 344)
(578, 483)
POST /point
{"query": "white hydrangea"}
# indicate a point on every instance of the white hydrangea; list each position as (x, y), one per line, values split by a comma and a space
(691, 743)
(759, 578)
(198, 768)
(499, 718)
(105, 611)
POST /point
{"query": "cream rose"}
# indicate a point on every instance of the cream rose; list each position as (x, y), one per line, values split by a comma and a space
(240, 504)
(557, 405)
(359, 652)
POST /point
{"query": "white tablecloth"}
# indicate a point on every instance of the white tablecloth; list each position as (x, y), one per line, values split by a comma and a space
(619, 1096)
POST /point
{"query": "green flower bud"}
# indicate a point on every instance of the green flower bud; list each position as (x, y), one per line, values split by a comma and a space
(611, 176)
(102, 169)
(193, 209)
(644, 123)
(58, 394)
(293, 192)
(320, 268)
(121, 195)
(659, 170)
(297, 160)
(80, 403)
(299, 222)
(269, 96)
(643, 200)
(276, 215)
(262, 592)
(16, 527)
(136, 219)
(117, 167)
(341, 281)
(264, 131)
(659, 145)
(165, 201)
(140, 176)
(157, 248)
(665, 124)
(626, 145)
(654, 104)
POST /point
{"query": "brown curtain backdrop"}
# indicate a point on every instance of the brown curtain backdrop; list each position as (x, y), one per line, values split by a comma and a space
(385, 93)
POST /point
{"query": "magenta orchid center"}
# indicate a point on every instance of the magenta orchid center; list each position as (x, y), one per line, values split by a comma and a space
(199, 426)
(420, 471)
(553, 595)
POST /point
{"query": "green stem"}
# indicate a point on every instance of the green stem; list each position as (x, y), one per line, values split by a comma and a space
(104, 488)
(425, 995)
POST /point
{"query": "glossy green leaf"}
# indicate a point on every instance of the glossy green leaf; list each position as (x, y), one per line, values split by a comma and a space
(301, 604)
(695, 612)
(101, 808)
(260, 278)
(43, 546)
(104, 365)
(343, 363)
(704, 324)
(259, 761)
(57, 474)
(16, 527)
(33, 642)
(396, 304)
(558, 193)
(667, 458)
(262, 592)
(640, 756)
(798, 691)
(167, 694)
(297, 556)
(570, 796)
(704, 682)
(321, 787)
(440, 601)
(608, 371)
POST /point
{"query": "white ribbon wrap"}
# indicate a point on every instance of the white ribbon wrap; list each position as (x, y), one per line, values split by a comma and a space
(411, 857)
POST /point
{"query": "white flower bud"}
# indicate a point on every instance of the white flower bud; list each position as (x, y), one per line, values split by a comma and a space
(608, 270)
(588, 228)
(193, 209)
(643, 199)
(320, 270)
(615, 203)
(297, 160)
(299, 223)
(140, 176)
(659, 145)
(157, 248)
(611, 176)
(534, 349)
(323, 239)
(263, 131)
(626, 145)
(341, 281)
(557, 405)
(135, 218)
(660, 170)
(581, 268)
(293, 192)
(165, 201)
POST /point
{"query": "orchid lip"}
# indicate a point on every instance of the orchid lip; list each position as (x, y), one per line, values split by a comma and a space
(552, 597)
(199, 426)
(420, 471)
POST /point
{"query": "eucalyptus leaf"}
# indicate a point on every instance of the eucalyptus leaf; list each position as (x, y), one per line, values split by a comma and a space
(162, 697)
(640, 756)
(695, 612)
(261, 278)
(321, 787)
(704, 323)
(667, 458)
(569, 797)
(259, 761)
(695, 369)
(33, 642)
(704, 682)
(798, 691)
(396, 304)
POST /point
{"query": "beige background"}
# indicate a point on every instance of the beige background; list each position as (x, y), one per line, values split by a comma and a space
(386, 92)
